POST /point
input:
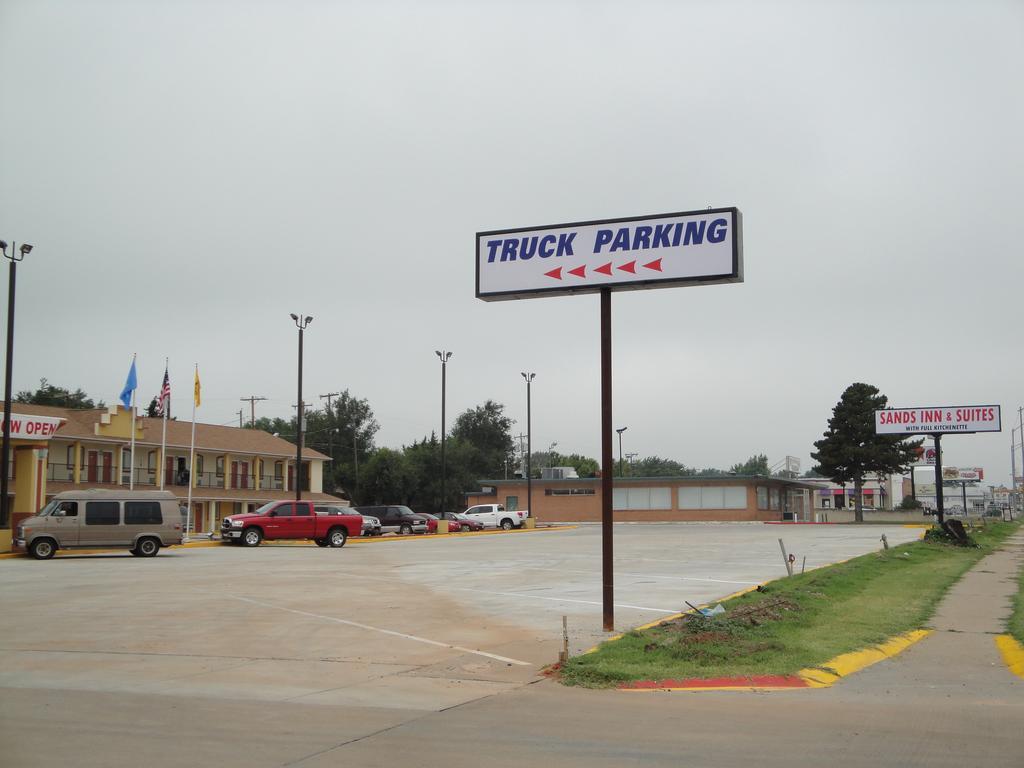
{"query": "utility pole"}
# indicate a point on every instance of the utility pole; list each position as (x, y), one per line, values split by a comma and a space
(252, 406)
(240, 412)
(330, 429)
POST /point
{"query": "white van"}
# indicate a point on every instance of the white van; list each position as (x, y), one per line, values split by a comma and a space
(139, 521)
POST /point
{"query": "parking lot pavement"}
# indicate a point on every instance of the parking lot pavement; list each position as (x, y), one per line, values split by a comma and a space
(490, 606)
(392, 631)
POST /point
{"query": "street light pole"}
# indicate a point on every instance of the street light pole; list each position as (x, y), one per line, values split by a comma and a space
(301, 324)
(529, 448)
(620, 430)
(16, 255)
(444, 357)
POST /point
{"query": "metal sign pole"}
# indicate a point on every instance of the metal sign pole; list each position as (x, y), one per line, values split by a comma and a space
(607, 462)
(939, 511)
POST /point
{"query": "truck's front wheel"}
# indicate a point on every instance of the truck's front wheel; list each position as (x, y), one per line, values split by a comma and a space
(251, 537)
(337, 537)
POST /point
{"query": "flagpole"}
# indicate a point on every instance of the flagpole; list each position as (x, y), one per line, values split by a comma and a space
(191, 460)
(131, 455)
(165, 407)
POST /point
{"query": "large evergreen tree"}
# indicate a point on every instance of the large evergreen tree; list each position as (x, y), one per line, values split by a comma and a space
(850, 450)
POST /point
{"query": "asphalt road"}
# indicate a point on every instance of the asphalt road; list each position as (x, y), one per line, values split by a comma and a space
(427, 652)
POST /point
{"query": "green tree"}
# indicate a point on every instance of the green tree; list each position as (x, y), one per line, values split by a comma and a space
(47, 394)
(345, 432)
(386, 478)
(656, 466)
(276, 426)
(850, 450)
(755, 465)
(488, 431)
(584, 465)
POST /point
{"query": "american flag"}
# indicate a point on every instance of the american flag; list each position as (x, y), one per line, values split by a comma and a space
(163, 405)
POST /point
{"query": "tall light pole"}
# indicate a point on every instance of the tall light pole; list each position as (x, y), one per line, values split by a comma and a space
(529, 450)
(620, 430)
(16, 255)
(300, 323)
(444, 358)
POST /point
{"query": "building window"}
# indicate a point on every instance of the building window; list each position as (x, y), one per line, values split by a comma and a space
(199, 465)
(774, 497)
(71, 457)
(511, 503)
(712, 497)
(151, 461)
(762, 497)
(826, 503)
(641, 498)
(220, 466)
(569, 492)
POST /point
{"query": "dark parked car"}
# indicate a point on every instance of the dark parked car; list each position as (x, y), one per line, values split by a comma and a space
(395, 518)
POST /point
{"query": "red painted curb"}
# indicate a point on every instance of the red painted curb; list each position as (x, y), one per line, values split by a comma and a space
(753, 681)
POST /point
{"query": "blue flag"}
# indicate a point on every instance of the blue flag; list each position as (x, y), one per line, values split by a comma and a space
(129, 386)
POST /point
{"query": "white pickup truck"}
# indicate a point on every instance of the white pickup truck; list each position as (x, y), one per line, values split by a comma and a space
(495, 516)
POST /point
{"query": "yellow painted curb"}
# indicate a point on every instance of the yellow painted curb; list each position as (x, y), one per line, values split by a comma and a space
(847, 664)
(1013, 653)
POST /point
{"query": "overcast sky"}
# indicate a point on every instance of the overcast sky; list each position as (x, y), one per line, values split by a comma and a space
(192, 173)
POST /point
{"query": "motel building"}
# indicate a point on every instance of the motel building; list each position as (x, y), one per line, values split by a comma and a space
(236, 470)
(734, 498)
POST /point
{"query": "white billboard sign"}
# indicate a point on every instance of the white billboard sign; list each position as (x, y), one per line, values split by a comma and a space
(947, 419)
(658, 251)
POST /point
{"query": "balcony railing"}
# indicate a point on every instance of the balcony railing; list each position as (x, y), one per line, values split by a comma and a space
(102, 475)
(271, 483)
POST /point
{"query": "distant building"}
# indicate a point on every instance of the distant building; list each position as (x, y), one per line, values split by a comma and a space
(651, 499)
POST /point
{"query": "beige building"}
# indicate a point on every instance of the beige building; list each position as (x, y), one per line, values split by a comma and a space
(235, 470)
(651, 499)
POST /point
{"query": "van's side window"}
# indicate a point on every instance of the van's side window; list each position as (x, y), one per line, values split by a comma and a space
(142, 513)
(69, 508)
(102, 512)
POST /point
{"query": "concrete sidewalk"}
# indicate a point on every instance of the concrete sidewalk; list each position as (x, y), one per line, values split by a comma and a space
(960, 656)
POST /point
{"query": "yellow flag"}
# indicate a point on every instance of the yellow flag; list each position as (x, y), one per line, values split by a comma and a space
(198, 399)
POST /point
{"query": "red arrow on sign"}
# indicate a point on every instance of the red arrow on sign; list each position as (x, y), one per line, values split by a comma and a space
(580, 271)
(629, 267)
(605, 269)
(555, 273)
(655, 265)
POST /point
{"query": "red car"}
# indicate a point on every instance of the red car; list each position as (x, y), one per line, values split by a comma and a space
(457, 523)
(290, 520)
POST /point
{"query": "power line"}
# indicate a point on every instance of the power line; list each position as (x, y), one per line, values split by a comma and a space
(252, 405)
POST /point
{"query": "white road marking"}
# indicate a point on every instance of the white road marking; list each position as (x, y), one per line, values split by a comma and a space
(566, 600)
(654, 576)
(383, 631)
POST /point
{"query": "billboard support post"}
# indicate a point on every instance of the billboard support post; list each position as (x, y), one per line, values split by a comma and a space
(607, 465)
(939, 511)
(665, 250)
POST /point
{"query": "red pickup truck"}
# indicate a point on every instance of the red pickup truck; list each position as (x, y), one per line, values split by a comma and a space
(290, 520)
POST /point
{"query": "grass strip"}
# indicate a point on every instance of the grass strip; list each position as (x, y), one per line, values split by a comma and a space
(1016, 624)
(796, 622)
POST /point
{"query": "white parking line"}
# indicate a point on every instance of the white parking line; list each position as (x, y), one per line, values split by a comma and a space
(653, 576)
(383, 631)
(565, 600)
